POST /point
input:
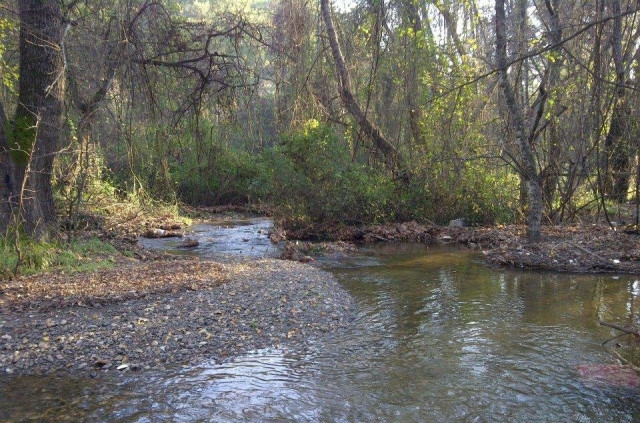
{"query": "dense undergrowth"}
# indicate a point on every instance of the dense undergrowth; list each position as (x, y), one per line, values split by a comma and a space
(312, 175)
(310, 178)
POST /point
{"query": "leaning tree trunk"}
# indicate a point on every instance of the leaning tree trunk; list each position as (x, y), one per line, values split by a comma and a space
(35, 130)
(348, 100)
(528, 169)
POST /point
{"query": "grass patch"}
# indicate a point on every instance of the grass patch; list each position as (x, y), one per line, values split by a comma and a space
(77, 256)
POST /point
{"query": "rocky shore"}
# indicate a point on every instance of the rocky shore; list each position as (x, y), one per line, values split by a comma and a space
(243, 306)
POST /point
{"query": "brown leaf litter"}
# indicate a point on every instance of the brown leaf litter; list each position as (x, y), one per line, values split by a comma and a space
(129, 281)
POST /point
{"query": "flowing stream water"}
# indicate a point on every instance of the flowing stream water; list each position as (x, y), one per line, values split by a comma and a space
(439, 337)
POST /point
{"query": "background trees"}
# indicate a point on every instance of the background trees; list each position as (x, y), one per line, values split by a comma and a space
(498, 110)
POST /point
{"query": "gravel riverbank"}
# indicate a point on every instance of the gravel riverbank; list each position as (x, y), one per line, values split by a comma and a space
(263, 303)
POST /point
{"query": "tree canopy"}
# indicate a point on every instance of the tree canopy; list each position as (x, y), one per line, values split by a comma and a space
(366, 111)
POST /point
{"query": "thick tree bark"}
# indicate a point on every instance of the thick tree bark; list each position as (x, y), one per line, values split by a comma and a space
(35, 131)
(527, 160)
(348, 100)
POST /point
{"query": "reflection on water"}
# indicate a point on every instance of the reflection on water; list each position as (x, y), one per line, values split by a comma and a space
(439, 337)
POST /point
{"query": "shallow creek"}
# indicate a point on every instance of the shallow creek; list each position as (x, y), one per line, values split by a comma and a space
(439, 337)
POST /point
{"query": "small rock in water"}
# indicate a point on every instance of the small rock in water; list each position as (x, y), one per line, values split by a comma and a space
(122, 367)
(189, 243)
(609, 374)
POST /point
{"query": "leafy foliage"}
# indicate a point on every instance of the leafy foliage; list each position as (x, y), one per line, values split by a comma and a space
(310, 177)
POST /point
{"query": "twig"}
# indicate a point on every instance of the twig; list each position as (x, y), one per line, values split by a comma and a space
(620, 328)
(625, 361)
(615, 337)
(587, 251)
(378, 237)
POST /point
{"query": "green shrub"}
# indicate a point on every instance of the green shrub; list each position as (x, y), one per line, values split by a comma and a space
(310, 177)
(223, 177)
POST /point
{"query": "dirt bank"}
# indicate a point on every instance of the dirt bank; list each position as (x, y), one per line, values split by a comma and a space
(577, 248)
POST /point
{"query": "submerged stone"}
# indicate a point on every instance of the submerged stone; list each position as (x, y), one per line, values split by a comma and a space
(609, 374)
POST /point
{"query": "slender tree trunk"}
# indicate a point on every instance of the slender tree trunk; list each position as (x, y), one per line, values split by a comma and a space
(550, 175)
(617, 149)
(527, 159)
(88, 110)
(35, 131)
(415, 112)
(348, 100)
(452, 26)
(7, 175)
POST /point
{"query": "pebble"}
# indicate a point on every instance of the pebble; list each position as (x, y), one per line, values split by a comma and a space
(266, 302)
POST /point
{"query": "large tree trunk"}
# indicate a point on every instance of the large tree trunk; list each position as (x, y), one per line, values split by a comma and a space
(35, 131)
(528, 169)
(348, 100)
